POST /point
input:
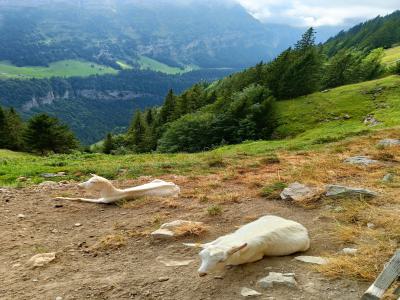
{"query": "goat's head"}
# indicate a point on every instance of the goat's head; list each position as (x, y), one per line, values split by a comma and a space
(96, 183)
(214, 257)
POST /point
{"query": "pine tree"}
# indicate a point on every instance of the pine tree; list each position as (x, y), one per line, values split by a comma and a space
(11, 130)
(3, 130)
(167, 112)
(307, 40)
(136, 133)
(150, 136)
(16, 129)
(46, 134)
(108, 144)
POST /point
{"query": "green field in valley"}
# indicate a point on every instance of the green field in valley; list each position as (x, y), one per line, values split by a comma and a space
(64, 68)
(147, 63)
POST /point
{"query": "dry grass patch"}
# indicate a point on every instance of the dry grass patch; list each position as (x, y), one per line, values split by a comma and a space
(110, 242)
(191, 229)
(365, 265)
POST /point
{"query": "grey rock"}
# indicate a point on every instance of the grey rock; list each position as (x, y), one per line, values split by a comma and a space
(162, 233)
(389, 143)
(388, 177)
(298, 192)
(162, 279)
(371, 225)
(246, 292)
(48, 184)
(360, 160)
(339, 190)
(312, 259)
(40, 260)
(59, 298)
(371, 121)
(277, 279)
(21, 216)
(346, 117)
(349, 251)
(174, 263)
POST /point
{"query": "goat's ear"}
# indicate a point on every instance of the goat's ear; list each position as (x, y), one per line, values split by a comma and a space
(194, 245)
(94, 175)
(236, 249)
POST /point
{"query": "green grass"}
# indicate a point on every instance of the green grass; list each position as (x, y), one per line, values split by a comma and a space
(64, 68)
(124, 65)
(304, 123)
(147, 63)
(391, 56)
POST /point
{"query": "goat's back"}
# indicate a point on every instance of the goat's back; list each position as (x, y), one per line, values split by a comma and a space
(274, 236)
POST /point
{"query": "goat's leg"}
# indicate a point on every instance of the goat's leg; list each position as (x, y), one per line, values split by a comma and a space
(101, 200)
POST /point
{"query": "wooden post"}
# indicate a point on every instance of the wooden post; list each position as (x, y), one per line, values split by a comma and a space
(389, 274)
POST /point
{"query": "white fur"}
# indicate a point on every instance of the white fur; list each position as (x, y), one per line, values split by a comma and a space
(267, 236)
(111, 194)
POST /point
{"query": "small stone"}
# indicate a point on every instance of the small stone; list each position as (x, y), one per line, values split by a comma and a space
(35, 280)
(389, 143)
(39, 260)
(388, 177)
(218, 277)
(22, 179)
(21, 216)
(371, 225)
(297, 192)
(162, 233)
(162, 279)
(276, 279)
(171, 229)
(346, 117)
(78, 224)
(312, 259)
(16, 265)
(58, 206)
(174, 263)
(59, 298)
(371, 121)
(54, 231)
(48, 184)
(333, 190)
(325, 91)
(360, 160)
(349, 251)
(246, 292)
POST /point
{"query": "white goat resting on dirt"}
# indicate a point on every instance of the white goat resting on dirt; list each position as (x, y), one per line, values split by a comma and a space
(111, 194)
(267, 236)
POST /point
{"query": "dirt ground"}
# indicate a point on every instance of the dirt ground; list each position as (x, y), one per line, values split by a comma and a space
(132, 271)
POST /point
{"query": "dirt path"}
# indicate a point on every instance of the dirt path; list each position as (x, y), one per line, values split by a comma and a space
(132, 271)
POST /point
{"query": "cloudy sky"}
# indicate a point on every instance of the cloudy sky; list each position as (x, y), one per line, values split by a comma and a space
(318, 12)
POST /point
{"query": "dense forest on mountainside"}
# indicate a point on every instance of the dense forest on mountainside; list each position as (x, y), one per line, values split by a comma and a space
(383, 31)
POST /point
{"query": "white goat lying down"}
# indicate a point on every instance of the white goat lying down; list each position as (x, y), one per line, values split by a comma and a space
(110, 194)
(267, 236)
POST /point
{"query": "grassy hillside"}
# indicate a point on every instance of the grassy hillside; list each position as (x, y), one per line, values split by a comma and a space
(64, 68)
(304, 123)
(392, 56)
(147, 63)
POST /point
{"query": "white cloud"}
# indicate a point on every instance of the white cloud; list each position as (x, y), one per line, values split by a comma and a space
(318, 13)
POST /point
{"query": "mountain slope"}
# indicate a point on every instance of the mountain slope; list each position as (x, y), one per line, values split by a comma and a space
(379, 32)
(208, 35)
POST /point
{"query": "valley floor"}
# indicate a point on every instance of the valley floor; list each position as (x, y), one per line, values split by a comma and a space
(111, 255)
